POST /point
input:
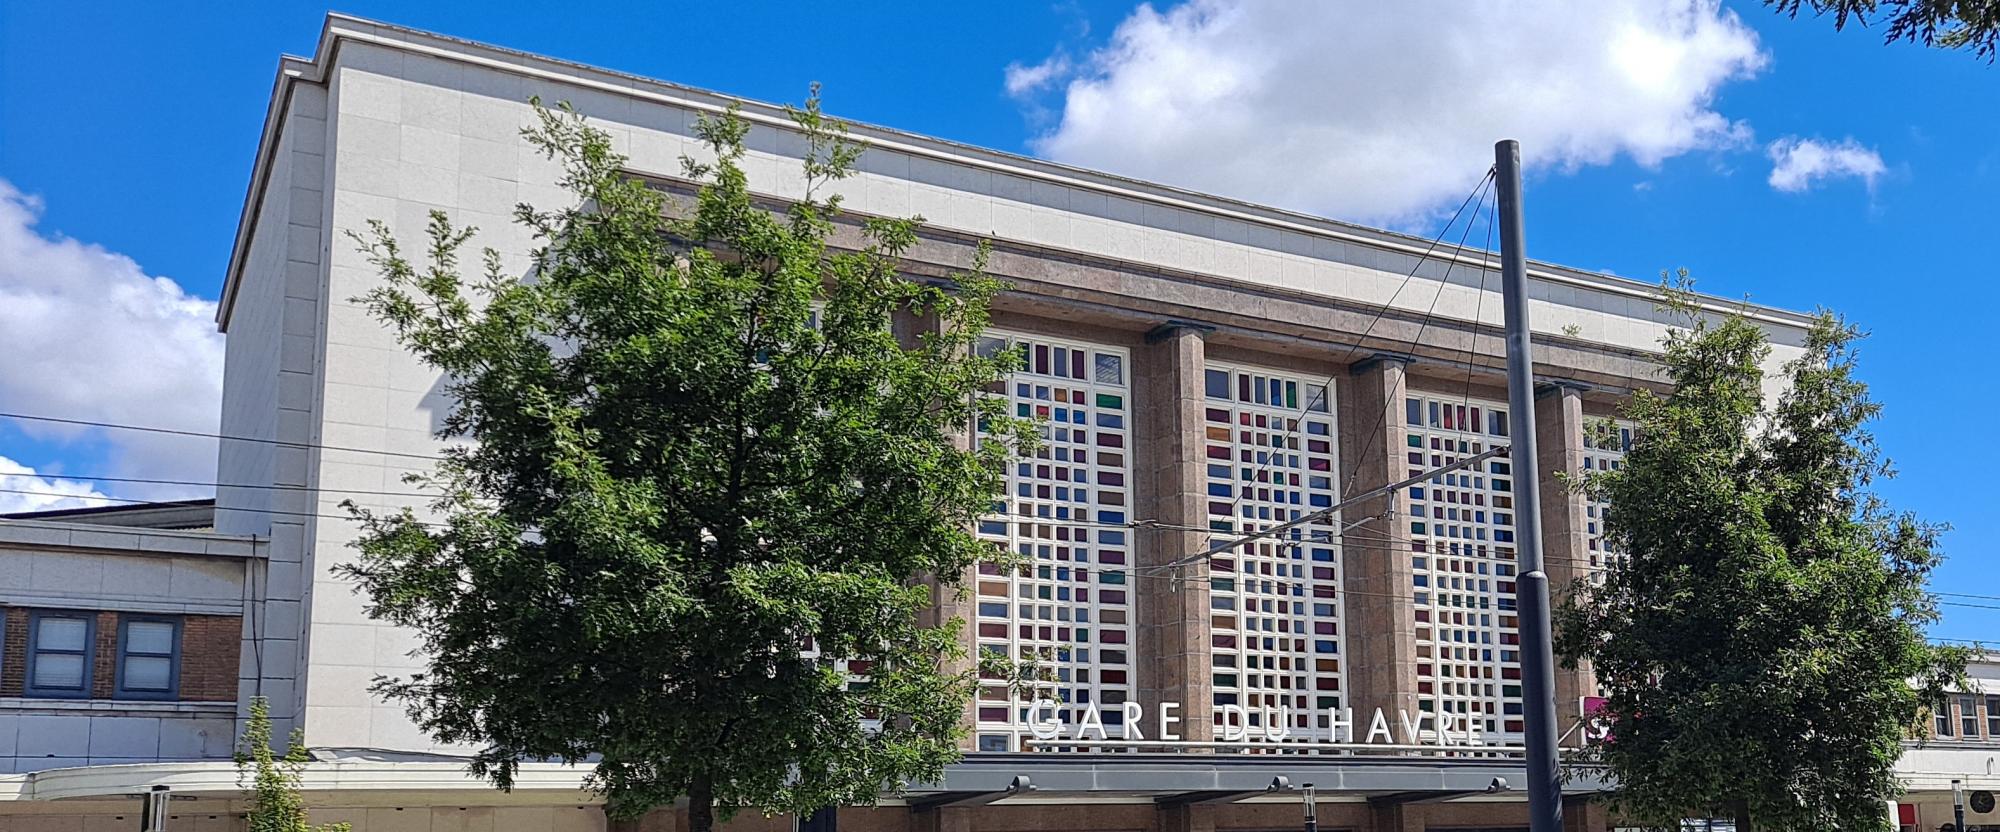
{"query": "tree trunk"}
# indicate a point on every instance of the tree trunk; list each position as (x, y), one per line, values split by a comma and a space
(1742, 808)
(701, 804)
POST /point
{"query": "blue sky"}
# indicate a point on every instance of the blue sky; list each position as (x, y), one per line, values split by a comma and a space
(128, 129)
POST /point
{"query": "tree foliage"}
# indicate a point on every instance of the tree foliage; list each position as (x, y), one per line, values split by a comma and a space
(1952, 24)
(274, 779)
(1758, 636)
(708, 481)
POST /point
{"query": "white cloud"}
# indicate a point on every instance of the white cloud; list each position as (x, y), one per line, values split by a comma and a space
(22, 489)
(1027, 80)
(87, 334)
(1368, 112)
(1799, 164)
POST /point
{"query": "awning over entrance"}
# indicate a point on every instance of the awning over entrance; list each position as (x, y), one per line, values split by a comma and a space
(375, 778)
(1186, 778)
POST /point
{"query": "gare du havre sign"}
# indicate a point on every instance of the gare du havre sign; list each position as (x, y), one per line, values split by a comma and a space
(1339, 728)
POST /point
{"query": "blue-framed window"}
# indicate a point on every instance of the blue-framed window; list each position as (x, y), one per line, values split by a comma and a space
(59, 654)
(149, 657)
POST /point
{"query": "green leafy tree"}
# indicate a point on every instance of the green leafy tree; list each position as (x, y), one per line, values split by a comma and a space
(1951, 24)
(1759, 637)
(708, 483)
(274, 780)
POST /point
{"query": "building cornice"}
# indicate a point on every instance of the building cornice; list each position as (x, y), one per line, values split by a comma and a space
(127, 540)
(339, 29)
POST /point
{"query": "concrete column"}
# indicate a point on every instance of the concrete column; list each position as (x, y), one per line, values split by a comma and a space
(1172, 659)
(1187, 818)
(1381, 635)
(945, 819)
(1396, 817)
(1581, 814)
(948, 603)
(1559, 426)
(667, 819)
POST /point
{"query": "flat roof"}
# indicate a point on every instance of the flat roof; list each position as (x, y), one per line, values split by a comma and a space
(172, 514)
(339, 28)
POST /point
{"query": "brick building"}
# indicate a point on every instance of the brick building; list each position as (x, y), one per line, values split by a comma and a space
(1205, 365)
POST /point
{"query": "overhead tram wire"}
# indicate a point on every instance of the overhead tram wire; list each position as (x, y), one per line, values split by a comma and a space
(1135, 572)
(1381, 416)
(284, 443)
(1330, 510)
(1129, 524)
(1478, 308)
(1327, 385)
(1475, 198)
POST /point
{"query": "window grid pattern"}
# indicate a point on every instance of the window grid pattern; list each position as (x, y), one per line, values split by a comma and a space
(1604, 448)
(1067, 608)
(1276, 607)
(1463, 565)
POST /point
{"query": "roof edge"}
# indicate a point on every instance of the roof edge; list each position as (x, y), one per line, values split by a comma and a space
(341, 27)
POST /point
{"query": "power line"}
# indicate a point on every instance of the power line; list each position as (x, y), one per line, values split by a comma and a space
(204, 435)
(1382, 415)
(1478, 308)
(222, 485)
(1242, 538)
(1135, 572)
(1327, 512)
(1336, 538)
(1327, 386)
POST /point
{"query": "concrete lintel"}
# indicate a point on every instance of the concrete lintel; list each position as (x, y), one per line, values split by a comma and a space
(1408, 798)
(1553, 386)
(1206, 798)
(1018, 786)
(1375, 358)
(943, 284)
(1167, 329)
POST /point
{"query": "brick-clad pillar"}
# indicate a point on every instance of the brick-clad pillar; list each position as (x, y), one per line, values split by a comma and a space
(948, 603)
(1559, 426)
(1581, 814)
(944, 819)
(1173, 615)
(1388, 816)
(14, 651)
(210, 648)
(1381, 615)
(104, 657)
(1187, 817)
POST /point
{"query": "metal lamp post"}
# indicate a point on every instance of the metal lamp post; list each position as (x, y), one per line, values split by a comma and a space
(1312, 809)
(1958, 805)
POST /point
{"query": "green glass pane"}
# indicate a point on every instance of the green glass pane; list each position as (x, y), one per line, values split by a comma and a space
(1111, 402)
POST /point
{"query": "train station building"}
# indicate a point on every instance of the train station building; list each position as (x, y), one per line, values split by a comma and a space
(1205, 366)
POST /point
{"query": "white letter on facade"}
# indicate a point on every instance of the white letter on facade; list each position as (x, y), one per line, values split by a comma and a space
(1278, 726)
(1240, 729)
(1167, 718)
(1380, 725)
(1092, 721)
(1339, 723)
(1045, 729)
(1447, 722)
(1134, 715)
(1413, 732)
